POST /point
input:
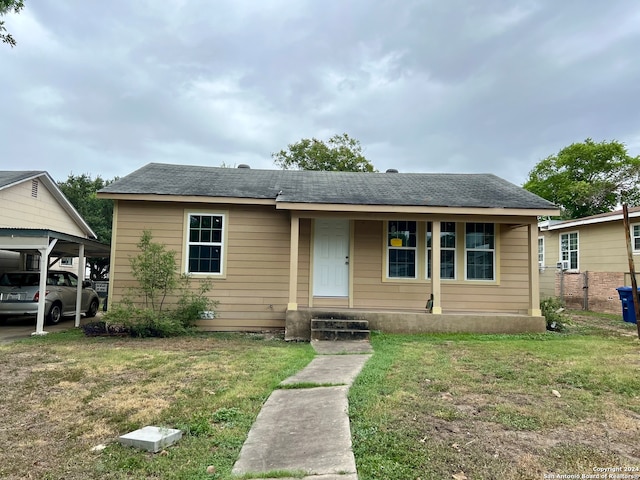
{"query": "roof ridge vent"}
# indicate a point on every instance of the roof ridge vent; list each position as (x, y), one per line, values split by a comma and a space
(243, 165)
(391, 170)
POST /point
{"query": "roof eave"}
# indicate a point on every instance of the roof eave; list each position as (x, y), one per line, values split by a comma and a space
(591, 221)
(416, 209)
(332, 207)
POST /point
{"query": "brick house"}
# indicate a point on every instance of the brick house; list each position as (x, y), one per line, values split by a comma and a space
(584, 260)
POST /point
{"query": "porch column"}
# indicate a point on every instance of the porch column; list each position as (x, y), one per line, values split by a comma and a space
(435, 268)
(42, 289)
(293, 263)
(80, 280)
(534, 275)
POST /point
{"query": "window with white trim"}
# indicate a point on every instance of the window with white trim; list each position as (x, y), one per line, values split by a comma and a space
(205, 243)
(541, 251)
(635, 237)
(401, 249)
(569, 249)
(66, 262)
(480, 251)
(447, 250)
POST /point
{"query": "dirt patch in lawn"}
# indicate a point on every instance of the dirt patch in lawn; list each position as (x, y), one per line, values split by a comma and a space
(61, 399)
(501, 407)
(483, 444)
(608, 323)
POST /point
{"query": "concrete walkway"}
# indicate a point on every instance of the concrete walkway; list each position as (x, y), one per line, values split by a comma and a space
(307, 429)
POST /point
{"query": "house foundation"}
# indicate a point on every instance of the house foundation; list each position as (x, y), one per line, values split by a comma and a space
(298, 322)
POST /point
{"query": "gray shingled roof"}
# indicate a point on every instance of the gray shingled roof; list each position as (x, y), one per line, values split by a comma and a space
(298, 186)
(11, 177)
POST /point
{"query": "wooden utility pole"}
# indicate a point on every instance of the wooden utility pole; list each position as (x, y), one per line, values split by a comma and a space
(632, 270)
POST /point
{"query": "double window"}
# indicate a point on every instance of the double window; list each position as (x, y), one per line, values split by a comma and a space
(569, 249)
(479, 250)
(205, 242)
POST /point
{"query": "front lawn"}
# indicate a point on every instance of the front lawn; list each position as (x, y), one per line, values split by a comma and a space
(424, 407)
(64, 394)
(500, 407)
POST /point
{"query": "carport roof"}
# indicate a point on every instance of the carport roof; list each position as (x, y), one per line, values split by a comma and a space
(30, 239)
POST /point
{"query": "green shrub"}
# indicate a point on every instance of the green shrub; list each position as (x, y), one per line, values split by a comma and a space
(156, 272)
(191, 303)
(149, 323)
(146, 322)
(553, 311)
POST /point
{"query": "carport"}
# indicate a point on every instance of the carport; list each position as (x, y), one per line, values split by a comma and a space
(50, 243)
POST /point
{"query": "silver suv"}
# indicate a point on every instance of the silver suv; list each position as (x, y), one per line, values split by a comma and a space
(19, 294)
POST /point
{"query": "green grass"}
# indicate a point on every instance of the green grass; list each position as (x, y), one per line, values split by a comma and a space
(424, 406)
(430, 406)
(64, 394)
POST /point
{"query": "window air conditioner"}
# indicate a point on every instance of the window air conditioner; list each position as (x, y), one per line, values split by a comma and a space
(563, 265)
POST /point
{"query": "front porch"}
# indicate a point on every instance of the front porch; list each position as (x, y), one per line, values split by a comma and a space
(298, 322)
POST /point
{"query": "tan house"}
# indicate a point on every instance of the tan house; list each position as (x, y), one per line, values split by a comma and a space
(37, 221)
(409, 252)
(585, 260)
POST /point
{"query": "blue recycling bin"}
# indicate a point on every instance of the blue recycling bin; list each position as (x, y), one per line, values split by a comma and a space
(628, 310)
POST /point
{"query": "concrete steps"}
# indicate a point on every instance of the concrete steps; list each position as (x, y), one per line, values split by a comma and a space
(339, 329)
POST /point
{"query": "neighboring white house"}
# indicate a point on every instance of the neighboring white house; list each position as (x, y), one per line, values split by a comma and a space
(37, 221)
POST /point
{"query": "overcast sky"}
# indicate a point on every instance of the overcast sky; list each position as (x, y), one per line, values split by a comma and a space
(460, 86)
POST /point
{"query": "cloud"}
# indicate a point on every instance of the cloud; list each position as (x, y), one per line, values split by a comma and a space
(442, 86)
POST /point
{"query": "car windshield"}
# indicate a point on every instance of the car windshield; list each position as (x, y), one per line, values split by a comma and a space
(19, 280)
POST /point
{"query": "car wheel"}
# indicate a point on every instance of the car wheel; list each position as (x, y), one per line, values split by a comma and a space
(55, 314)
(93, 309)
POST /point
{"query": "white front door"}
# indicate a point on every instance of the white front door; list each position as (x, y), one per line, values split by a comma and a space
(331, 258)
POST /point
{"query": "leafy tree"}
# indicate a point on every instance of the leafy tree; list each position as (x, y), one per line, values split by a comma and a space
(587, 178)
(339, 153)
(81, 191)
(7, 6)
